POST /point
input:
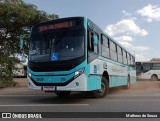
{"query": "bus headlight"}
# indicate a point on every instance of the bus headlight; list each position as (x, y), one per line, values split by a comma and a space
(78, 73)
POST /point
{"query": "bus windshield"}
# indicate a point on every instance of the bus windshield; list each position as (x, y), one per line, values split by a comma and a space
(60, 45)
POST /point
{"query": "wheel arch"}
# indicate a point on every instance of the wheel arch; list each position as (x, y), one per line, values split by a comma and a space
(105, 74)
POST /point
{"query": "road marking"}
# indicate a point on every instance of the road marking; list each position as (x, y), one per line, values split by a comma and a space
(23, 95)
(43, 105)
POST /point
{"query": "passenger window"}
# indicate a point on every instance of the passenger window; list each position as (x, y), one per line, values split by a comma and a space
(113, 51)
(119, 51)
(105, 47)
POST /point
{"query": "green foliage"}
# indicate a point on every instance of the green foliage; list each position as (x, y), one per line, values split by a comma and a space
(15, 18)
(6, 74)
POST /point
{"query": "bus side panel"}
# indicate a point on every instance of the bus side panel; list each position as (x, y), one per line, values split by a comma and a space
(94, 83)
(117, 72)
(115, 81)
(95, 75)
(132, 75)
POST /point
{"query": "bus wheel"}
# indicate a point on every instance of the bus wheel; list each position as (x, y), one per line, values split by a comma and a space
(128, 84)
(103, 91)
(154, 78)
(63, 93)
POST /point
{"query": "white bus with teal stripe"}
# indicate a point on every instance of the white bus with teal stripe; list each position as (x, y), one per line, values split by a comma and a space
(74, 54)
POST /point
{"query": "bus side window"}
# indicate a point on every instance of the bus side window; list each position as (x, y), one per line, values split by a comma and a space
(124, 57)
(105, 47)
(113, 51)
(146, 67)
(119, 52)
(95, 43)
(92, 42)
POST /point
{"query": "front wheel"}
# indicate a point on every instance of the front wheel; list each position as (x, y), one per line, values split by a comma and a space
(103, 91)
(63, 93)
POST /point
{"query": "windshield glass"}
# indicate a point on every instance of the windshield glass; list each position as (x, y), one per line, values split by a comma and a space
(58, 45)
(138, 68)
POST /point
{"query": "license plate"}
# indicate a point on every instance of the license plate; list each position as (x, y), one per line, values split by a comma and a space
(48, 88)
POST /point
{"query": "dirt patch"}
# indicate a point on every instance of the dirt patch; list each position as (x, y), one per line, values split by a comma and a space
(146, 85)
(21, 82)
(141, 87)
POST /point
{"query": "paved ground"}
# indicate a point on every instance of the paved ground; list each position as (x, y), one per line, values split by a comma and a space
(144, 96)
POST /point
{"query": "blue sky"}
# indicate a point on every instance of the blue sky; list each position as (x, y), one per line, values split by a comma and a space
(133, 23)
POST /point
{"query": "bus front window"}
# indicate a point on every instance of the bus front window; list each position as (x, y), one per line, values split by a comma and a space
(64, 45)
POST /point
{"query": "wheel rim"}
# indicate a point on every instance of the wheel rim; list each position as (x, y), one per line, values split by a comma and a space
(102, 90)
(154, 78)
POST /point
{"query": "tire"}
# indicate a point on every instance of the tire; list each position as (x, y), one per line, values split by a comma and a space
(154, 78)
(128, 83)
(103, 91)
(63, 93)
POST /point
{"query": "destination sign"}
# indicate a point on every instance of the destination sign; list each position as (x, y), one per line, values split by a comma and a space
(65, 24)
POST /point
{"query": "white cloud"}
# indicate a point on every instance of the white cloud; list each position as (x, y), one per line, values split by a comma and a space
(126, 13)
(125, 44)
(124, 40)
(125, 26)
(139, 49)
(141, 57)
(125, 32)
(140, 53)
(151, 12)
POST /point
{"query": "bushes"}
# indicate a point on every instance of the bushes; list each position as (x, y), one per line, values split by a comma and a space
(6, 74)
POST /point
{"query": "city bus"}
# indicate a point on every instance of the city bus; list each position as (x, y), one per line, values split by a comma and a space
(148, 70)
(74, 54)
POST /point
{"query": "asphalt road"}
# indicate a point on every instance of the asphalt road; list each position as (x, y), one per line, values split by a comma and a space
(144, 96)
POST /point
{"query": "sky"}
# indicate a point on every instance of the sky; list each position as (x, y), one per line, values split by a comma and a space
(134, 24)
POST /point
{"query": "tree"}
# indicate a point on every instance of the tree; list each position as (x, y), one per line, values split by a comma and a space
(16, 18)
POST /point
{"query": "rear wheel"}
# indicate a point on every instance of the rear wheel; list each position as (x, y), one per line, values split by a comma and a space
(103, 91)
(63, 93)
(154, 78)
(128, 83)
